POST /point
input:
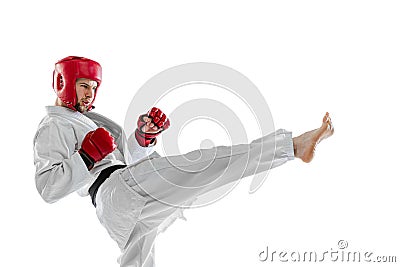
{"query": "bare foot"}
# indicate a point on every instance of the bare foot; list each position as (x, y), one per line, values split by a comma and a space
(305, 144)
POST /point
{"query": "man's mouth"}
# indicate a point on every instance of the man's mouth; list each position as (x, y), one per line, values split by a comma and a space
(86, 103)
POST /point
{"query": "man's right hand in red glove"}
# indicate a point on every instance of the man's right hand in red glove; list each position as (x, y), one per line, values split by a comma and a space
(95, 146)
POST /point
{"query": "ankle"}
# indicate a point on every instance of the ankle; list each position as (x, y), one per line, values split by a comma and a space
(295, 150)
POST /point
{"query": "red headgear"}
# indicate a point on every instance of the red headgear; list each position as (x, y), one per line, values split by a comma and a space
(67, 71)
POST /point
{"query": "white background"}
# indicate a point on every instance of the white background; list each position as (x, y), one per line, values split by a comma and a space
(307, 57)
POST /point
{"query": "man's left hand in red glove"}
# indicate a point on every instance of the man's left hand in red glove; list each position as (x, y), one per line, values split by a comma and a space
(150, 125)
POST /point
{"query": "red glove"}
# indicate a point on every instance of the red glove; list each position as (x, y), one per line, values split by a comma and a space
(160, 121)
(95, 146)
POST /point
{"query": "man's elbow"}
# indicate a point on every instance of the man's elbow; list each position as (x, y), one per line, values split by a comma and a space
(47, 194)
(47, 197)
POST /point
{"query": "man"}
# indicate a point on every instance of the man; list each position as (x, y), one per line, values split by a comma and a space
(76, 150)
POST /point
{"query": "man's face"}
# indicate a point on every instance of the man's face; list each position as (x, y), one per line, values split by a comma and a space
(85, 90)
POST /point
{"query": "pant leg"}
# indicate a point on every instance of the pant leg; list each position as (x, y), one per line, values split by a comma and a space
(139, 253)
(176, 181)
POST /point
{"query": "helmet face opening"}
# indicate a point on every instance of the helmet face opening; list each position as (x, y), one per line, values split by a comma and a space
(67, 71)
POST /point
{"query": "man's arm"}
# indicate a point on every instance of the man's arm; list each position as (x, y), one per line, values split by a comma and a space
(60, 169)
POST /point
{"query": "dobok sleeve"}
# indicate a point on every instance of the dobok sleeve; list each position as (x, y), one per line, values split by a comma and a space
(136, 151)
(60, 169)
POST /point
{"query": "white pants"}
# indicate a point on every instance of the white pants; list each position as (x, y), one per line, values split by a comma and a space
(139, 201)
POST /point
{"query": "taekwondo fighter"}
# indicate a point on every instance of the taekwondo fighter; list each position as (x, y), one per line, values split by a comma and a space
(77, 150)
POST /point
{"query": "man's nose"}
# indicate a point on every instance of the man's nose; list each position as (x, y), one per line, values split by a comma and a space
(89, 93)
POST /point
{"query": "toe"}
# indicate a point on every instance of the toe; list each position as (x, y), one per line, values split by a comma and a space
(327, 117)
